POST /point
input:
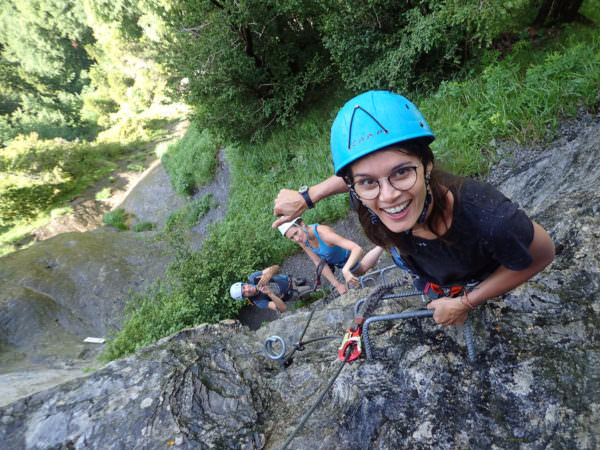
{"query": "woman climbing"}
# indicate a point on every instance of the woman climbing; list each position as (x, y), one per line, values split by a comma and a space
(450, 233)
(321, 243)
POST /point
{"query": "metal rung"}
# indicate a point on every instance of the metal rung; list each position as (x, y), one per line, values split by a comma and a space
(411, 315)
(371, 276)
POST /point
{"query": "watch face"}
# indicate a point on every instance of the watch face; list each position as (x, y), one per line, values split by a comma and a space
(303, 189)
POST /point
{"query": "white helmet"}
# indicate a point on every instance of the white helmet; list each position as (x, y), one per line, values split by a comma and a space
(287, 225)
(236, 291)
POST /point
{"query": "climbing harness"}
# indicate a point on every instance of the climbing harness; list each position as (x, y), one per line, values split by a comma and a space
(449, 291)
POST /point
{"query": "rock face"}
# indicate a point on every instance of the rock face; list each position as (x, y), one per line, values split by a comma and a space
(60, 291)
(534, 382)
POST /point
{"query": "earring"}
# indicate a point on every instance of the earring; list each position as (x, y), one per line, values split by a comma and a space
(427, 178)
(373, 217)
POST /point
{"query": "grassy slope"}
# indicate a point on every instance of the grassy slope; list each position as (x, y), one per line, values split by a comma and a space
(521, 97)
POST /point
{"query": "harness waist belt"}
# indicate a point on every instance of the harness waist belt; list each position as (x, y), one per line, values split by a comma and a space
(449, 291)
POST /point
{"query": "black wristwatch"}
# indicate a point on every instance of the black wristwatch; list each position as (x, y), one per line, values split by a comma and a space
(304, 191)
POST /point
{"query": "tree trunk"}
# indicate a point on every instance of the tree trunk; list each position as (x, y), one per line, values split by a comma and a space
(557, 11)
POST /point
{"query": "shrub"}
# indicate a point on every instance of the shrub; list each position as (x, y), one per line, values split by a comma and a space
(401, 46)
(135, 167)
(246, 65)
(116, 218)
(143, 226)
(103, 194)
(190, 214)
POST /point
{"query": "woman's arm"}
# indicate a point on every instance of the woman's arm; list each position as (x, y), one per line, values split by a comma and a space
(327, 273)
(331, 238)
(290, 204)
(453, 311)
(369, 260)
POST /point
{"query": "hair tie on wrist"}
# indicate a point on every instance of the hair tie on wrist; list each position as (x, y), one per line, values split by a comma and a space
(467, 302)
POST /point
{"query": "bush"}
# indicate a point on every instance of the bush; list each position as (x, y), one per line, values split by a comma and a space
(190, 215)
(143, 226)
(116, 218)
(103, 194)
(135, 167)
(245, 65)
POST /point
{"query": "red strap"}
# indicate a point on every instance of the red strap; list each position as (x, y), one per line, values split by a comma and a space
(454, 290)
(352, 341)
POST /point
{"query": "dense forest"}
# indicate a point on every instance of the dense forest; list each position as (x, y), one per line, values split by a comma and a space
(71, 69)
(87, 81)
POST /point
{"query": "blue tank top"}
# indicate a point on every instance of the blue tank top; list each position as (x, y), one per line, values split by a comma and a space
(335, 255)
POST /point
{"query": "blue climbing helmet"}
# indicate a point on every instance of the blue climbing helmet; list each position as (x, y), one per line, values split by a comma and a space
(371, 121)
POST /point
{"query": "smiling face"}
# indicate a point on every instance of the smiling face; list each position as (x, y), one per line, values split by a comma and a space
(248, 290)
(397, 210)
(296, 234)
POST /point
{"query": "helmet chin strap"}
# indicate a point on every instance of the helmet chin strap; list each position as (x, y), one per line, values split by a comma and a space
(307, 235)
(425, 208)
(428, 198)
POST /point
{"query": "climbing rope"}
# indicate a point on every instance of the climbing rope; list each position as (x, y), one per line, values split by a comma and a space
(319, 400)
(320, 268)
(374, 298)
(283, 359)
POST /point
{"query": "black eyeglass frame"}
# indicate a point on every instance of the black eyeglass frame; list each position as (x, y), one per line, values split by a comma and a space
(353, 190)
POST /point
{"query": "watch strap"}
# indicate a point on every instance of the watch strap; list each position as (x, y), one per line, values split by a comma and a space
(304, 192)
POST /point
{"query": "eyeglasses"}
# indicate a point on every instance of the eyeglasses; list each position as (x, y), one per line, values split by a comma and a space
(401, 178)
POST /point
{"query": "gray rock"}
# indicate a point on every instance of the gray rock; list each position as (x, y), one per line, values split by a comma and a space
(60, 291)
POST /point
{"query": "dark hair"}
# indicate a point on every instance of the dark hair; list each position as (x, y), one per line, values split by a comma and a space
(439, 183)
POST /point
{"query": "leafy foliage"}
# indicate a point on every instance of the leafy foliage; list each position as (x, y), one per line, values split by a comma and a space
(190, 214)
(521, 98)
(191, 161)
(46, 66)
(44, 173)
(116, 218)
(143, 226)
(385, 44)
(245, 65)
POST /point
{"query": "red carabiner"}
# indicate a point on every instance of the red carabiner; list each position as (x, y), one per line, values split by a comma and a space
(351, 338)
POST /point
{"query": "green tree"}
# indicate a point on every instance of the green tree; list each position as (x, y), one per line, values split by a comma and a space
(557, 11)
(406, 45)
(245, 65)
(46, 38)
(44, 58)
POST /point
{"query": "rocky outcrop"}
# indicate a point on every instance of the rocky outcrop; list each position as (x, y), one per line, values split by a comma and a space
(534, 382)
(60, 291)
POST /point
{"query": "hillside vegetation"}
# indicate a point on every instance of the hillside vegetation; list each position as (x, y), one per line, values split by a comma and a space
(264, 79)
